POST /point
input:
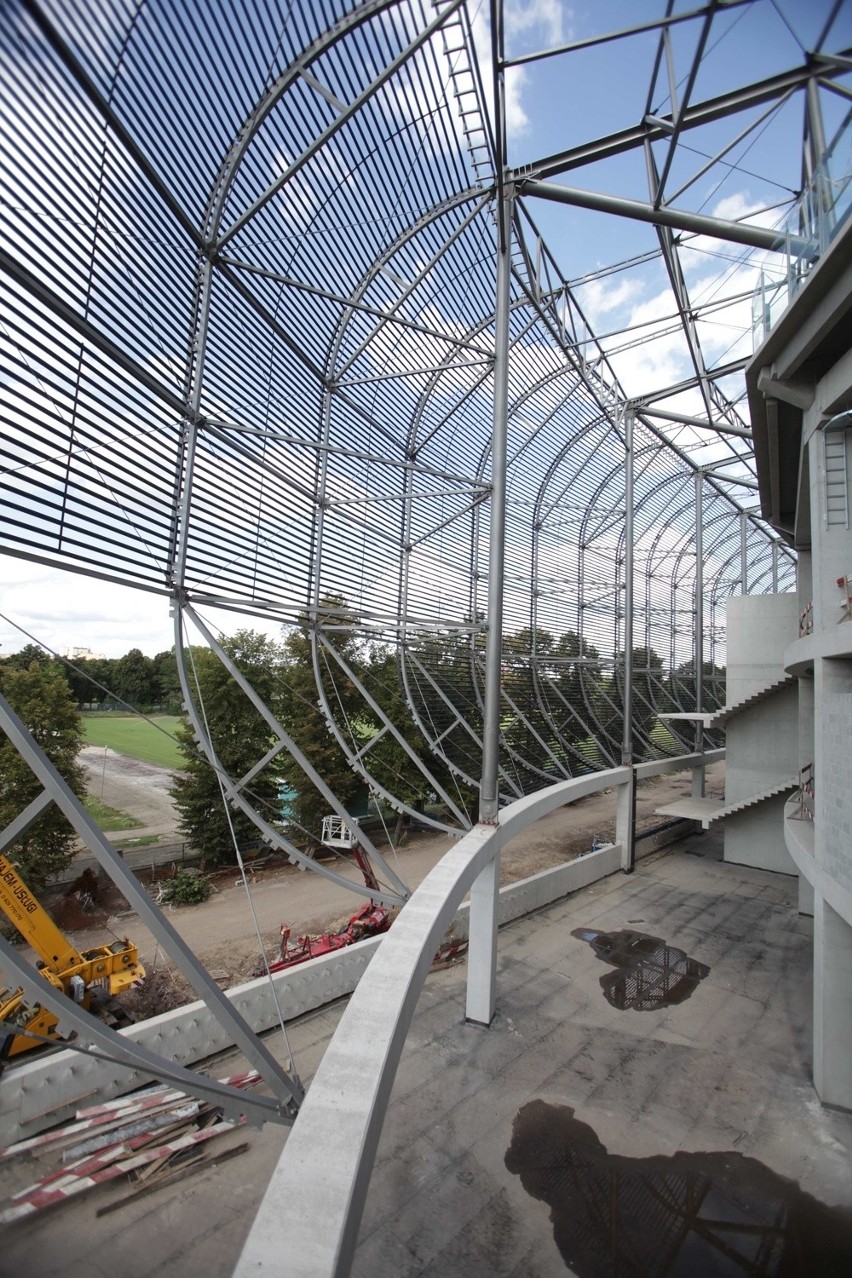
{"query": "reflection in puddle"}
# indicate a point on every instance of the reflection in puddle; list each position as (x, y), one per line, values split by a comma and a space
(697, 1215)
(648, 973)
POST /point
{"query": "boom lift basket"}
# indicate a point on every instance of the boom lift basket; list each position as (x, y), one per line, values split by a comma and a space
(337, 834)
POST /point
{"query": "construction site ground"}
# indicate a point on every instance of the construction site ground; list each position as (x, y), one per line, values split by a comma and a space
(222, 930)
(686, 1138)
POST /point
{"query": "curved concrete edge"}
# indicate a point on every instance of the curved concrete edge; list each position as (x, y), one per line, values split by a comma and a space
(40, 1093)
(832, 641)
(347, 1101)
(799, 838)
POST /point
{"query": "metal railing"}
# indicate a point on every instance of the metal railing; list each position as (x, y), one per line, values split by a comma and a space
(806, 796)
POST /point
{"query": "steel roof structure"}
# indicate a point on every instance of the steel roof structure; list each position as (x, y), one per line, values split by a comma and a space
(298, 322)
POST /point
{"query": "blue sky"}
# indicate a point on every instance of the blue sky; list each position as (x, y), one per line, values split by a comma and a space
(552, 105)
(569, 99)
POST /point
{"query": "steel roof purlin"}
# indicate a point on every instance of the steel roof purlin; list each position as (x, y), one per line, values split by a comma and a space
(253, 346)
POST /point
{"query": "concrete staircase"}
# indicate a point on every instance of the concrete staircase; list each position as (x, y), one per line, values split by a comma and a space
(760, 694)
(782, 787)
(709, 810)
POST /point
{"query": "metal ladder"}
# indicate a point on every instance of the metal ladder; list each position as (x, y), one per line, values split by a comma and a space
(456, 41)
(836, 486)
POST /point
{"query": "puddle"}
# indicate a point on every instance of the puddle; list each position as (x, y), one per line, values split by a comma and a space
(695, 1215)
(648, 972)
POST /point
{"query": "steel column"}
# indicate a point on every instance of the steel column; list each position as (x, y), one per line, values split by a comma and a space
(482, 945)
(626, 803)
(482, 954)
(698, 777)
(823, 201)
(288, 1091)
(488, 800)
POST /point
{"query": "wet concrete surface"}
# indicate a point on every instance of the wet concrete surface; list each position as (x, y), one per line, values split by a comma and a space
(649, 973)
(726, 1072)
(719, 1080)
(684, 1215)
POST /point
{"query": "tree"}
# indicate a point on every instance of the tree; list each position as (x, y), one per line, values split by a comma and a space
(448, 695)
(91, 680)
(240, 737)
(24, 658)
(306, 724)
(167, 691)
(388, 762)
(528, 734)
(648, 693)
(681, 686)
(133, 679)
(40, 696)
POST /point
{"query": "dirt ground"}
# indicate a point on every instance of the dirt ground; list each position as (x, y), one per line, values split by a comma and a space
(222, 931)
(129, 785)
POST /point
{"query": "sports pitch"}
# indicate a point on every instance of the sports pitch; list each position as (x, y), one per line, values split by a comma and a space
(139, 738)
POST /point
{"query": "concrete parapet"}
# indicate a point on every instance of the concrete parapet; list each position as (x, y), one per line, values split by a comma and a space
(44, 1092)
(41, 1093)
(664, 835)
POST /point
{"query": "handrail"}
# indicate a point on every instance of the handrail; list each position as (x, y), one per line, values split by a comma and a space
(308, 1221)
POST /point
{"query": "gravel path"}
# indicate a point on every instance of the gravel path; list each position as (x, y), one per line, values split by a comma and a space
(140, 789)
(222, 932)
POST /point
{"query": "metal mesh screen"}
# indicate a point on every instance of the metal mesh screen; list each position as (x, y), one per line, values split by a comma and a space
(247, 347)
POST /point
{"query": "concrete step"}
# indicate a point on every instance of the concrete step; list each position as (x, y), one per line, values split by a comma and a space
(692, 809)
(708, 810)
(760, 694)
(740, 806)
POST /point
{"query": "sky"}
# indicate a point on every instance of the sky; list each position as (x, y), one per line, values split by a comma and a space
(65, 610)
(547, 112)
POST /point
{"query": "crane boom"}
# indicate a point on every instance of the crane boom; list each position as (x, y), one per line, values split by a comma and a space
(106, 969)
(33, 921)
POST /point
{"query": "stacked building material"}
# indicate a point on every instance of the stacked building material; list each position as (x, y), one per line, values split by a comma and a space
(150, 1139)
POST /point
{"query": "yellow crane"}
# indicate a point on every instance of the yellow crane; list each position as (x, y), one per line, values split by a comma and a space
(104, 970)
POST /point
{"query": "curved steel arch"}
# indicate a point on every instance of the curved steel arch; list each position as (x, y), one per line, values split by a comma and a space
(298, 428)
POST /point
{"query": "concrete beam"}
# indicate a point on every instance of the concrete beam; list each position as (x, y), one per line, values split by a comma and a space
(799, 394)
(348, 1098)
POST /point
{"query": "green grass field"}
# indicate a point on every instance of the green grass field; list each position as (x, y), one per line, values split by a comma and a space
(127, 734)
(110, 818)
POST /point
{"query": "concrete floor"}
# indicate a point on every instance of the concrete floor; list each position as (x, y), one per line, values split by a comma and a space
(603, 1109)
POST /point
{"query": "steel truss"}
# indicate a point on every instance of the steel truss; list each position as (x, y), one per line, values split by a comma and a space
(282, 337)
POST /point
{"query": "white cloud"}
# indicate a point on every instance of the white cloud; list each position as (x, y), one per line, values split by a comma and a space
(536, 24)
(600, 298)
(64, 610)
(517, 120)
(539, 18)
(714, 270)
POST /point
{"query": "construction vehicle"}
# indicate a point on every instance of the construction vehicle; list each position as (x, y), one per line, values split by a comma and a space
(91, 978)
(370, 920)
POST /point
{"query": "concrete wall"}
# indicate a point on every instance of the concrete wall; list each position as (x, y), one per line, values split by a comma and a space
(759, 628)
(41, 1093)
(762, 741)
(834, 777)
(762, 745)
(756, 837)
